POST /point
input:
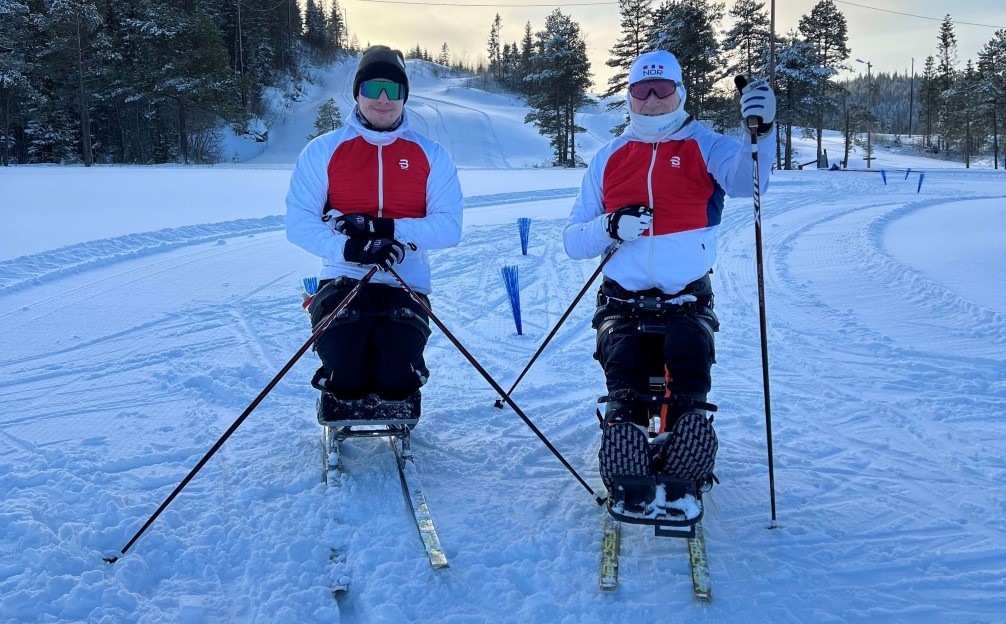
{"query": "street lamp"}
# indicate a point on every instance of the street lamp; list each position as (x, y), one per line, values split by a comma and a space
(869, 123)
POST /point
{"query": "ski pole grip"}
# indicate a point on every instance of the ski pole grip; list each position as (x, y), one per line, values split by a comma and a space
(752, 121)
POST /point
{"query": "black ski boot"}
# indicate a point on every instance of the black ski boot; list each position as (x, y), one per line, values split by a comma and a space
(688, 450)
(625, 456)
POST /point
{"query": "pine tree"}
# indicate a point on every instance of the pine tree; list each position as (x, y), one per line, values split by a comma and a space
(798, 79)
(946, 76)
(78, 46)
(314, 25)
(687, 28)
(947, 53)
(746, 44)
(992, 66)
(560, 77)
(493, 48)
(960, 114)
(509, 64)
(636, 21)
(826, 29)
(929, 98)
(16, 89)
(444, 58)
(337, 29)
(183, 66)
(329, 118)
(526, 61)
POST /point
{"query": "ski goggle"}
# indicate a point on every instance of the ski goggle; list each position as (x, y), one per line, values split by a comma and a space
(662, 89)
(372, 89)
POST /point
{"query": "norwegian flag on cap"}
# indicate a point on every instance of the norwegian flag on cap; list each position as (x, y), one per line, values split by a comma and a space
(658, 64)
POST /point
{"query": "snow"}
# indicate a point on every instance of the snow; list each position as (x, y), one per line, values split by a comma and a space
(145, 308)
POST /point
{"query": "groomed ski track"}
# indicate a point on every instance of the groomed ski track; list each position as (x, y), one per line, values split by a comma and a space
(181, 336)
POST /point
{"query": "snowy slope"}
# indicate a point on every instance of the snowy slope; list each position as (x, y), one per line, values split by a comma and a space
(478, 128)
(138, 326)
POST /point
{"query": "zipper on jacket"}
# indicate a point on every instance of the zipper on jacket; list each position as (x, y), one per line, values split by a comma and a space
(649, 194)
(380, 182)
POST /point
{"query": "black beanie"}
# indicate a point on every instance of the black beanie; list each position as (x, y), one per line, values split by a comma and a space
(380, 61)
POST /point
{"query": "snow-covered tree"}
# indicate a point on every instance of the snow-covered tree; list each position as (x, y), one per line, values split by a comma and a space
(560, 79)
(929, 99)
(826, 30)
(16, 89)
(329, 118)
(315, 25)
(636, 23)
(78, 47)
(992, 66)
(687, 28)
(798, 75)
(494, 50)
(338, 39)
(746, 43)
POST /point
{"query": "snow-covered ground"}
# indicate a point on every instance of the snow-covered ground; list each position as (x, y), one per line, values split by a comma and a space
(144, 308)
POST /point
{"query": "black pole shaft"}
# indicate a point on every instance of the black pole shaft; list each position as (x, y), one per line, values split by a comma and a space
(597, 271)
(248, 410)
(753, 127)
(492, 382)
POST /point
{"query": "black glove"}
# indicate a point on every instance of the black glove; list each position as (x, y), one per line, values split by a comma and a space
(384, 252)
(365, 226)
(629, 222)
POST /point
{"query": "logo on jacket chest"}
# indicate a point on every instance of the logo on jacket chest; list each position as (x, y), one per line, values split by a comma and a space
(676, 162)
(403, 163)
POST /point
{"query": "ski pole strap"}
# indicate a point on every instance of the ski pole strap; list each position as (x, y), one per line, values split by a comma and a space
(628, 395)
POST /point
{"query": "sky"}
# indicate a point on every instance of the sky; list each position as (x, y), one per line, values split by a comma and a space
(886, 39)
(145, 307)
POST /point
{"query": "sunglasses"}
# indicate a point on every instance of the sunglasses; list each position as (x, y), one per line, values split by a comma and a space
(662, 89)
(372, 89)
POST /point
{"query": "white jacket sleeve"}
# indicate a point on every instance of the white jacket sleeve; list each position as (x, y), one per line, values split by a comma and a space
(586, 234)
(729, 161)
(441, 227)
(305, 203)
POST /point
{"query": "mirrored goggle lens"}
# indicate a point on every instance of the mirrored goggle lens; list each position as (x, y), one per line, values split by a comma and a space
(662, 88)
(372, 89)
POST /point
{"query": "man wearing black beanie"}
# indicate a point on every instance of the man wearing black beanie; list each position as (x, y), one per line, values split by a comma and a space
(380, 61)
(373, 193)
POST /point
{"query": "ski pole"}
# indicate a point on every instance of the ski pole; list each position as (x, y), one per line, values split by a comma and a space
(597, 271)
(248, 410)
(492, 382)
(752, 124)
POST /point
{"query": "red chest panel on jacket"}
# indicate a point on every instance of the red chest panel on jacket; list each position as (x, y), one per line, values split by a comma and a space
(359, 170)
(682, 188)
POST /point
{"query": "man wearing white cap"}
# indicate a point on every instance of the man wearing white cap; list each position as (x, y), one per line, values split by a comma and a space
(657, 191)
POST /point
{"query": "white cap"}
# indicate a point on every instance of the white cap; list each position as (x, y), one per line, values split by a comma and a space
(653, 66)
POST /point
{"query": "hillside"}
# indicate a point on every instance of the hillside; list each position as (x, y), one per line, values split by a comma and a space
(470, 123)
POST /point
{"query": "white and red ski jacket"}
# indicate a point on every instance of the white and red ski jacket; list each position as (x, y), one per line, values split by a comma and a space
(397, 174)
(683, 179)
